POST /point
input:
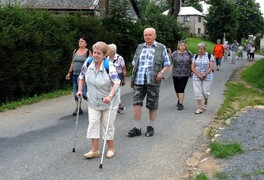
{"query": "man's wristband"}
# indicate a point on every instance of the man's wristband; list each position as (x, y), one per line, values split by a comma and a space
(162, 72)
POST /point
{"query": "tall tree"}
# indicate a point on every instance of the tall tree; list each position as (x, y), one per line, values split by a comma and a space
(175, 6)
(222, 19)
(103, 6)
(250, 19)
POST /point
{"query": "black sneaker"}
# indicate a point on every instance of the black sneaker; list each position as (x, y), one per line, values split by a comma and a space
(75, 112)
(180, 107)
(121, 110)
(150, 131)
(178, 103)
(134, 132)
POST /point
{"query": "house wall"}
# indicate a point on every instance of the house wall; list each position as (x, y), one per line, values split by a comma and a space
(193, 24)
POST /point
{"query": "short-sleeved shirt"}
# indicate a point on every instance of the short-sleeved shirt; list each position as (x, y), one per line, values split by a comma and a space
(99, 83)
(218, 50)
(201, 64)
(145, 65)
(181, 64)
(119, 63)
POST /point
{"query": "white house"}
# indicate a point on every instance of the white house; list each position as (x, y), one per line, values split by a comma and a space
(192, 18)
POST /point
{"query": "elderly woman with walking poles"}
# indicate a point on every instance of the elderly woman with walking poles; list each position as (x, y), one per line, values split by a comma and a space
(103, 83)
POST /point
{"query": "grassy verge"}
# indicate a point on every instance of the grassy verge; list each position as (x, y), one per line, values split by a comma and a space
(26, 101)
(244, 89)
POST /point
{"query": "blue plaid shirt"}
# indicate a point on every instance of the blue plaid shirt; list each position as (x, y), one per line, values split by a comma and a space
(145, 65)
(201, 64)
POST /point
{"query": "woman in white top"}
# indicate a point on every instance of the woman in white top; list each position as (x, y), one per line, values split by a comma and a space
(103, 84)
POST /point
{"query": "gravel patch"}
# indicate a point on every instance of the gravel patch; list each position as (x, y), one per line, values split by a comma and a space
(248, 130)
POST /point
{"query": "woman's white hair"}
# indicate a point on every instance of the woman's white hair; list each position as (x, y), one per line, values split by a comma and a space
(201, 44)
(112, 47)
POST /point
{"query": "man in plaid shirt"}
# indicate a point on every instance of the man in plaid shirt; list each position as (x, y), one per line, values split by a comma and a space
(150, 62)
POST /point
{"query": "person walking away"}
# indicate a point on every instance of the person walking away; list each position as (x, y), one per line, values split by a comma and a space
(252, 53)
(202, 67)
(78, 58)
(227, 51)
(233, 49)
(150, 62)
(103, 88)
(249, 46)
(218, 53)
(120, 66)
(240, 52)
(181, 71)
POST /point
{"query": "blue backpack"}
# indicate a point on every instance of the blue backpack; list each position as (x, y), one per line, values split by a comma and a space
(106, 63)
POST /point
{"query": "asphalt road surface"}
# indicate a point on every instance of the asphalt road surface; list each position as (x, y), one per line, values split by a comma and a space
(36, 141)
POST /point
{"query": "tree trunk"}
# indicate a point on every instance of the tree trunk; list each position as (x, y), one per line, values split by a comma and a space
(135, 7)
(103, 6)
(175, 6)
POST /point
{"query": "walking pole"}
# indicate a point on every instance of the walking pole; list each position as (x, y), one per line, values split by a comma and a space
(76, 123)
(102, 157)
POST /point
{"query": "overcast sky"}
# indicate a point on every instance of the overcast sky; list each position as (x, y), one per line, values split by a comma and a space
(261, 2)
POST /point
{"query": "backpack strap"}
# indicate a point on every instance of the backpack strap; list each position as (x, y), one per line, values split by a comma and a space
(106, 63)
(196, 56)
(209, 56)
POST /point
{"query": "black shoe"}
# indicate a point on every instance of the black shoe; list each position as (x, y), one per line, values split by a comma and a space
(150, 131)
(178, 103)
(180, 107)
(121, 110)
(75, 112)
(134, 132)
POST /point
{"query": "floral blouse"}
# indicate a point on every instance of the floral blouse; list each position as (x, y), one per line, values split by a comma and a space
(181, 63)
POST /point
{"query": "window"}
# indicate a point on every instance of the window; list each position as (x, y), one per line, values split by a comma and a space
(199, 19)
(186, 18)
(199, 30)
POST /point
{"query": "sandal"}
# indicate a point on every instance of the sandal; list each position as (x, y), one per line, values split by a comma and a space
(198, 111)
(204, 107)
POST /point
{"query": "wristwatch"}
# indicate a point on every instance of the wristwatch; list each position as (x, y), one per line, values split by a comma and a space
(162, 72)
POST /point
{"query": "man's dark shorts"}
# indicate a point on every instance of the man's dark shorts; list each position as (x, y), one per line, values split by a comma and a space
(152, 92)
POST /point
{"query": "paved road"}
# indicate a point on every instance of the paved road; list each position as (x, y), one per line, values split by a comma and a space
(37, 140)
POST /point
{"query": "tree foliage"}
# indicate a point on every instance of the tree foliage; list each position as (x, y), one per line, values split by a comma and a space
(222, 19)
(249, 18)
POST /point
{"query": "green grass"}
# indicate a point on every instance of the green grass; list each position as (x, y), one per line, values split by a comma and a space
(201, 176)
(192, 43)
(221, 150)
(27, 101)
(248, 91)
(254, 75)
